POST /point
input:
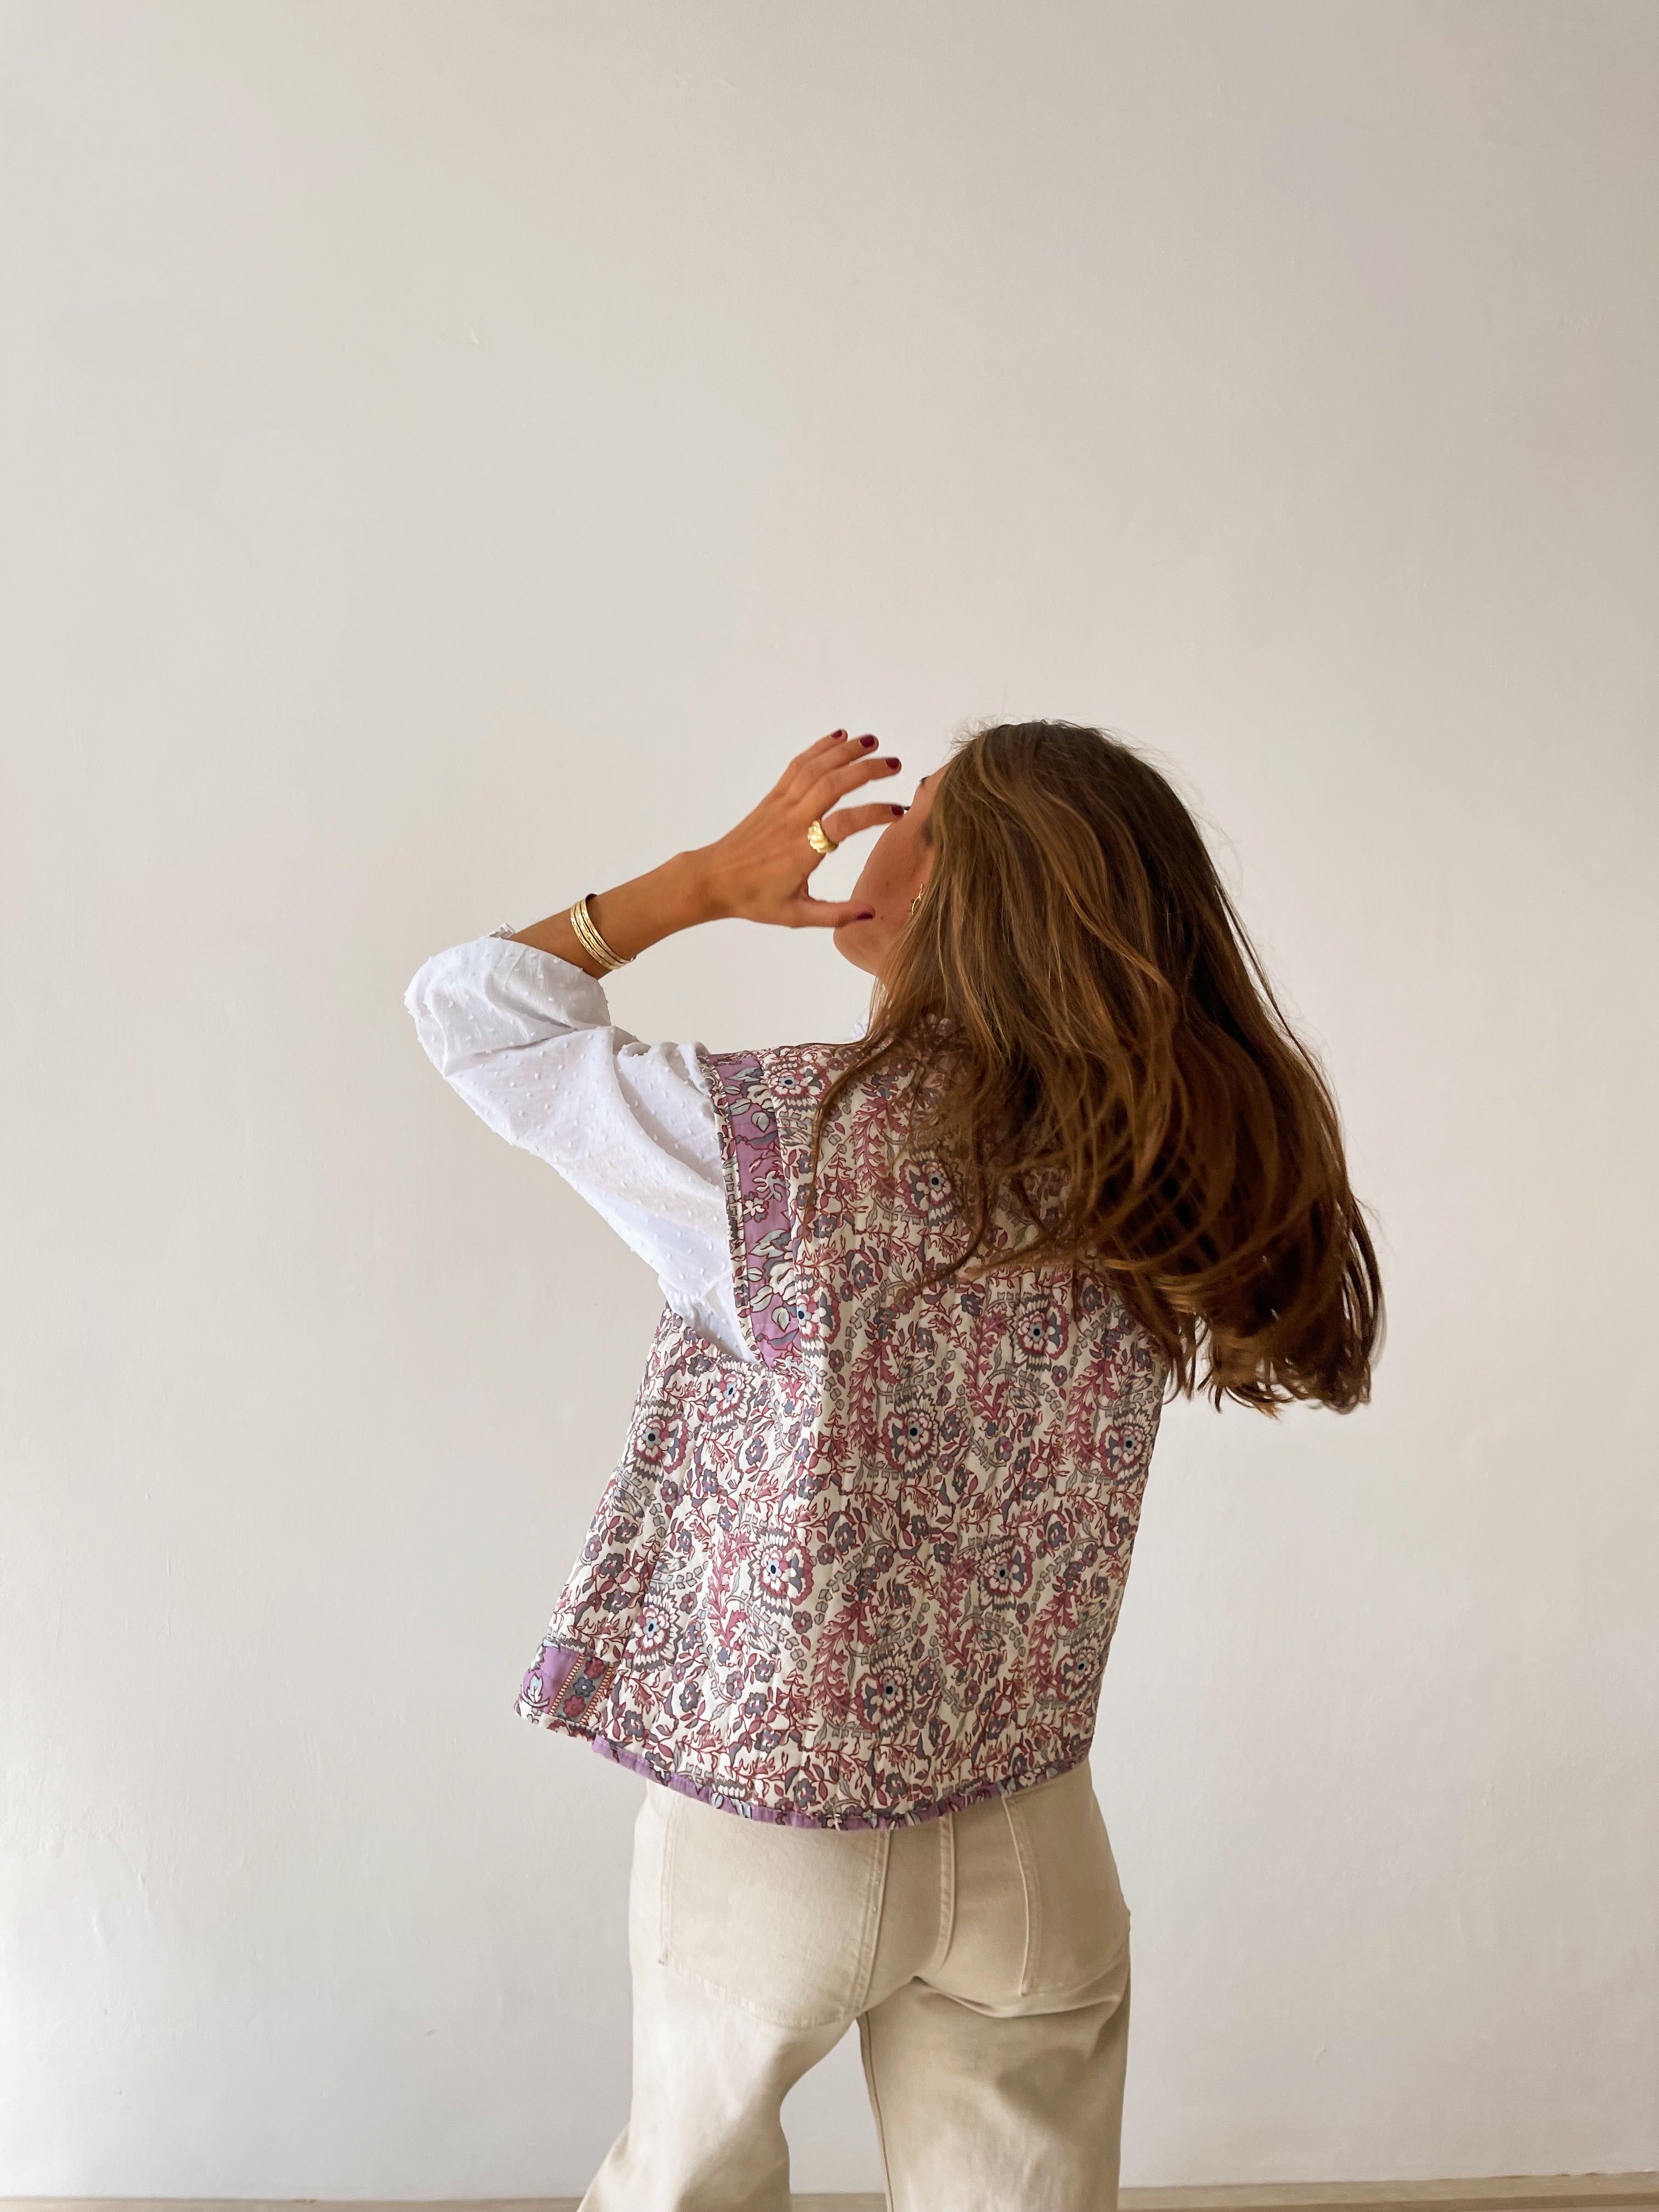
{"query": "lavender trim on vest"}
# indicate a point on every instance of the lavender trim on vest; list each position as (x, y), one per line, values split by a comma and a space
(560, 1689)
(757, 1202)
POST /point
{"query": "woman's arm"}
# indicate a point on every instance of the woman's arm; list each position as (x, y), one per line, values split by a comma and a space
(526, 1040)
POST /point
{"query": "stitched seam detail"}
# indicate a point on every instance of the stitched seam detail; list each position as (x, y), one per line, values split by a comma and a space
(1028, 1879)
(947, 1892)
(668, 1831)
(875, 1896)
(867, 2050)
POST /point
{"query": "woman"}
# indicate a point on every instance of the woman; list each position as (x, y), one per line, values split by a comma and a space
(856, 1575)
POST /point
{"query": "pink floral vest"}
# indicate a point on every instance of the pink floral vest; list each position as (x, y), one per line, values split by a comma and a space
(873, 1577)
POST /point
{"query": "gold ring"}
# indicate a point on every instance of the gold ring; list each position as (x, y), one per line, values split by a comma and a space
(818, 839)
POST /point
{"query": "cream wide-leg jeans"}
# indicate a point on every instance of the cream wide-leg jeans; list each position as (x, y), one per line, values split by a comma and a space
(985, 1957)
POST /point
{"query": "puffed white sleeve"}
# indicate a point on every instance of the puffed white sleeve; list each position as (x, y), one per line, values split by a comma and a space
(527, 1041)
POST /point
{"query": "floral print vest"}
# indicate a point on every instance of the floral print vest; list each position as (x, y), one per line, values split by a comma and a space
(871, 1577)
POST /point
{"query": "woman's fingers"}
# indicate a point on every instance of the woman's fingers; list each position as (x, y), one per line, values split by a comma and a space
(809, 765)
(838, 777)
(809, 762)
(828, 753)
(812, 761)
(827, 914)
(846, 821)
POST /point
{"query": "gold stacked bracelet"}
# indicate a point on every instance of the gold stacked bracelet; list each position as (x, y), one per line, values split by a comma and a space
(590, 940)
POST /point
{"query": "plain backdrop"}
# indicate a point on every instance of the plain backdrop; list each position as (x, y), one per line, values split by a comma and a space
(454, 454)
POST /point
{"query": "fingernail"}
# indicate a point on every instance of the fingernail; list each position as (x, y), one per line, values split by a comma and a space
(893, 761)
(867, 742)
(838, 733)
(868, 914)
(898, 810)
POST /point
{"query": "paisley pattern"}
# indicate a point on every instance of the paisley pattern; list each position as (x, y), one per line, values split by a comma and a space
(873, 1577)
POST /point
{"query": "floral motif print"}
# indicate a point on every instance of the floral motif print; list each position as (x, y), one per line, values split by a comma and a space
(784, 1571)
(873, 1576)
(925, 1189)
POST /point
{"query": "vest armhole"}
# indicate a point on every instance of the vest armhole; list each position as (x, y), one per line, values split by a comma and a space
(751, 1165)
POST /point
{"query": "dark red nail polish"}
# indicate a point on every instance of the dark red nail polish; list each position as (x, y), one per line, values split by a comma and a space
(867, 742)
(893, 761)
(898, 810)
(868, 914)
(838, 733)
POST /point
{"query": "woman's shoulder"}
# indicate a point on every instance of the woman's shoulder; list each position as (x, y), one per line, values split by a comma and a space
(785, 1066)
(807, 1070)
(776, 1089)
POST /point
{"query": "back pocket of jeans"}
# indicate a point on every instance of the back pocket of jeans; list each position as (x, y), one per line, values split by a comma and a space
(1077, 1922)
(780, 1922)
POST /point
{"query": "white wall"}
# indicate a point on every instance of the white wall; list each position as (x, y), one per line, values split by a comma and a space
(456, 452)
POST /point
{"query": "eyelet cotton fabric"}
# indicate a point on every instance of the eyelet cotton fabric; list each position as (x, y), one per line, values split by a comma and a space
(526, 1040)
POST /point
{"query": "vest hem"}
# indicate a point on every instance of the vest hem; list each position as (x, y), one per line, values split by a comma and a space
(790, 1816)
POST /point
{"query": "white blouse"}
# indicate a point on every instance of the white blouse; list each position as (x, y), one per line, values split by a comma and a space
(527, 1041)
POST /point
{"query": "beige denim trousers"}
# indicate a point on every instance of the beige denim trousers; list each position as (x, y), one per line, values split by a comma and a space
(985, 1957)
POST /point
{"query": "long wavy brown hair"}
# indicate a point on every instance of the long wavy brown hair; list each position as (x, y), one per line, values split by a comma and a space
(1084, 1027)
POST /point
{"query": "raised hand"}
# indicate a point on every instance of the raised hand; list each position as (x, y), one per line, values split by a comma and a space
(759, 869)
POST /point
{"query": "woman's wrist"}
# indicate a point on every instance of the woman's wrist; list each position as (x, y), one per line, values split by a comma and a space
(634, 915)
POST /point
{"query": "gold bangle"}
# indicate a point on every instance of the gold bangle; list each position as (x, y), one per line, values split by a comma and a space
(589, 939)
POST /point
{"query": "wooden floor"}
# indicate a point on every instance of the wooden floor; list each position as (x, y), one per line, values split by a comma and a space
(1529, 2192)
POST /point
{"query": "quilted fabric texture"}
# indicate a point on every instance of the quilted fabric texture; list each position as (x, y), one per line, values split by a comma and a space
(872, 1576)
